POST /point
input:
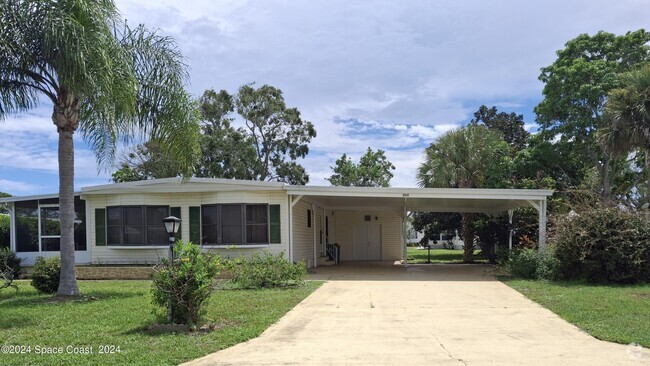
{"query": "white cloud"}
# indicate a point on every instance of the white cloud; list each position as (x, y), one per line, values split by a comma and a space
(410, 69)
(15, 187)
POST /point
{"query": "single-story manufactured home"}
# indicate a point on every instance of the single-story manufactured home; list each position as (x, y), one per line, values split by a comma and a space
(121, 223)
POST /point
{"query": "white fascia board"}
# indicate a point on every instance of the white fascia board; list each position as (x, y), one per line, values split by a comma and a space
(33, 197)
(173, 185)
(466, 193)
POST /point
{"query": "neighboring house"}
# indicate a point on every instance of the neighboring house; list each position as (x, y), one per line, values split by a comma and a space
(121, 223)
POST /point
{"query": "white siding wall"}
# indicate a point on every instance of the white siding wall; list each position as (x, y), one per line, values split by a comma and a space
(107, 254)
(391, 232)
(303, 236)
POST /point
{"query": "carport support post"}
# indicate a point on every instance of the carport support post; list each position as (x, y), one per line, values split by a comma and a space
(510, 212)
(542, 226)
(540, 206)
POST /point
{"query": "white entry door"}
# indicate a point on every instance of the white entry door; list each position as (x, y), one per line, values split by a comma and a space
(366, 242)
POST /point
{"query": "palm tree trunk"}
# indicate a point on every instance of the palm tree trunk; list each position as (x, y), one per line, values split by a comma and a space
(468, 237)
(68, 283)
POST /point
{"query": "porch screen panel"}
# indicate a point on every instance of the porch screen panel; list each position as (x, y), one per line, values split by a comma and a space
(27, 226)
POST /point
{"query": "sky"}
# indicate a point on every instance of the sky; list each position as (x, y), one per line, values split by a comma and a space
(391, 75)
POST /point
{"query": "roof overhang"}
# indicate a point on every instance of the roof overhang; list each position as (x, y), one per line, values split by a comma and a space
(176, 185)
(421, 199)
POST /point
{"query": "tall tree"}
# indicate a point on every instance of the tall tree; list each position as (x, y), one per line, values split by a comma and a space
(576, 90)
(373, 170)
(226, 152)
(147, 161)
(280, 136)
(468, 157)
(629, 110)
(103, 78)
(509, 125)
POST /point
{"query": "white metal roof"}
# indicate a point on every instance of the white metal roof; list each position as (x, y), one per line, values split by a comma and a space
(421, 199)
(171, 185)
(413, 199)
(33, 197)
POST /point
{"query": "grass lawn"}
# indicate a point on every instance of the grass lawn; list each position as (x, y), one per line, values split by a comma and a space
(416, 255)
(119, 314)
(613, 313)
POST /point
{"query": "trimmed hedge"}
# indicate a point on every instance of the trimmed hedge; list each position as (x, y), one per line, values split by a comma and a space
(46, 275)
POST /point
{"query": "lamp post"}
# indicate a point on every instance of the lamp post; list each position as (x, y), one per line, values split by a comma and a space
(172, 224)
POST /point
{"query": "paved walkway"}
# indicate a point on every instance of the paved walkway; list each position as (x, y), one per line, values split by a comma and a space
(379, 314)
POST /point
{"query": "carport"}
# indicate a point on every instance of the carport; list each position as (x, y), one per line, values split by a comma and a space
(403, 200)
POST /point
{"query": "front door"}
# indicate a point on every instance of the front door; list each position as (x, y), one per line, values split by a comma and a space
(366, 242)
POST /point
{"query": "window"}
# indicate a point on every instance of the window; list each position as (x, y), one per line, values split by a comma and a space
(136, 225)
(38, 228)
(235, 224)
(50, 229)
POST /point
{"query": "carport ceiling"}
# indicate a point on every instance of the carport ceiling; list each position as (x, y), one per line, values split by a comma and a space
(420, 199)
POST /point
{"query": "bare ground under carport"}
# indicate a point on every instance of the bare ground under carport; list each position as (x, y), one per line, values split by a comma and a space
(380, 314)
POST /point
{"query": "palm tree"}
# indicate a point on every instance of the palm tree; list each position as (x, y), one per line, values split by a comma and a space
(104, 79)
(628, 110)
(463, 158)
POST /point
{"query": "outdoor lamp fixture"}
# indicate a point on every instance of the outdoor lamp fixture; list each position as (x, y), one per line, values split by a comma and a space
(172, 224)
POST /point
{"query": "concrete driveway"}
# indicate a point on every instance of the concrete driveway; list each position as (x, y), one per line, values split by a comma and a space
(380, 314)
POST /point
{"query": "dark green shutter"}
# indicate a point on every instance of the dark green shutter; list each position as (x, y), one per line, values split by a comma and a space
(195, 225)
(274, 221)
(100, 226)
(176, 212)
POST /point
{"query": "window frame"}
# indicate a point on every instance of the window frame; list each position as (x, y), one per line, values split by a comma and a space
(144, 226)
(243, 224)
(41, 222)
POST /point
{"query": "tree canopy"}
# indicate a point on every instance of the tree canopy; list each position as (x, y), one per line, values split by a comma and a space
(509, 125)
(373, 170)
(576, 88)
(468, 157)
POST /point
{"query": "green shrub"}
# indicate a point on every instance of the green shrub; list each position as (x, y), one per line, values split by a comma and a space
(266, 270)
(9, 263)
(531, 264)
(604, 245)
(187, 282)
(46, 274)
(523, 263)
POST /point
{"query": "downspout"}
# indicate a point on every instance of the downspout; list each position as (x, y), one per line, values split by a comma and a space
(290, 228)
(313, 227)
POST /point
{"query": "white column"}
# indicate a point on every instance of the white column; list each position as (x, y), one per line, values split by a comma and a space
(510, 213)
(542, 226)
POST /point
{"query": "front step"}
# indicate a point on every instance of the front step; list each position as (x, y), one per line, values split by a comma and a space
(325, 261)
